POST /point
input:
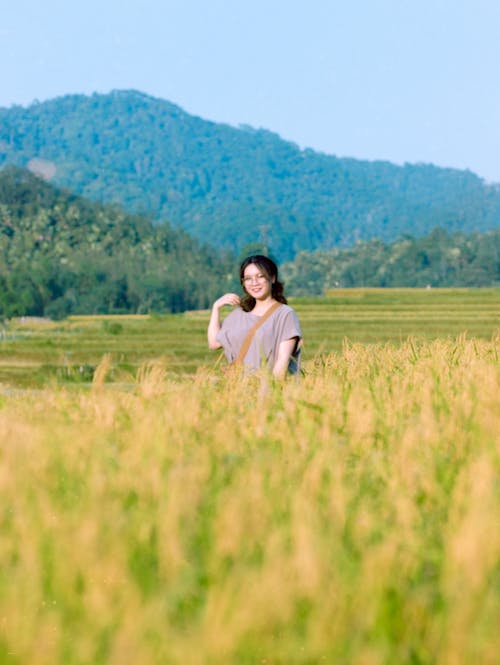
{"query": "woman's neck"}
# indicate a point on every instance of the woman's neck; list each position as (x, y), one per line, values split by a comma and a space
(261, 306)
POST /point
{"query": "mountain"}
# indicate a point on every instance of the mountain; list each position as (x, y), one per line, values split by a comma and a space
(234, 186)
(61, 254)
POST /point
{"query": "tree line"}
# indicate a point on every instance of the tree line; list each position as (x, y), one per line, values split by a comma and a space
(440, 259)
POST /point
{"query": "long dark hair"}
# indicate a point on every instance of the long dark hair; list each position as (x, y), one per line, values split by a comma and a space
(270, 270)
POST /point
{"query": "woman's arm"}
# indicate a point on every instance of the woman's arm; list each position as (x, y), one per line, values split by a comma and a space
(285, 350)
(214, 324)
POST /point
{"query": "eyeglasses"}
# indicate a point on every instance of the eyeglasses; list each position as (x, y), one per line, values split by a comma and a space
(254, 279)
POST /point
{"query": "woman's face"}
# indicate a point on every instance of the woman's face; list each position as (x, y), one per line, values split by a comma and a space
(256, 282)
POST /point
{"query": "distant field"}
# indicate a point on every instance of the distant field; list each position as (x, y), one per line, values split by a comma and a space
(34, 352)
(393, 315)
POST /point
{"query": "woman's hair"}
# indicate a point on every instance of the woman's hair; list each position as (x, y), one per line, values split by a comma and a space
(270, 270)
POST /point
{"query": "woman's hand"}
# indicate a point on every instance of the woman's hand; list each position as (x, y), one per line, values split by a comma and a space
(227, 299)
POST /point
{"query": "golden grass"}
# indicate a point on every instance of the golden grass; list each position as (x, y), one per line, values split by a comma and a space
(349, 517)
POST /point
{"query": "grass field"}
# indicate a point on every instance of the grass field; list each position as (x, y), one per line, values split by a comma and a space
(172, 516)
(351, 517)
(34, 353)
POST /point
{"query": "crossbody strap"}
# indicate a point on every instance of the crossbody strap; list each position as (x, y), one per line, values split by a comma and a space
(248, 339)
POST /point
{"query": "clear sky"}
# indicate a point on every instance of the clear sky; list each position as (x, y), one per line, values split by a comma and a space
(401, 80)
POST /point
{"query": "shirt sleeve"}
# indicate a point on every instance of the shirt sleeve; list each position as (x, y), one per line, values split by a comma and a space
(289, 326)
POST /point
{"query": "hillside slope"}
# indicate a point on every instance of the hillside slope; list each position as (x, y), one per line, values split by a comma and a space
(61, 254)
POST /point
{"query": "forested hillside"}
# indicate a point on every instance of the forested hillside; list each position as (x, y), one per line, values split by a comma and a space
(439, 259)
(61, 254)
(233, 186)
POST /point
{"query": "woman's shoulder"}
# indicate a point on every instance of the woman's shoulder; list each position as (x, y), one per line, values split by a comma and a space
(286, 309)
(287, 317)
(236, 315)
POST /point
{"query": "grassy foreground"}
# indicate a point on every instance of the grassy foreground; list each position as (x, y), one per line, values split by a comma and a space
(350, 517)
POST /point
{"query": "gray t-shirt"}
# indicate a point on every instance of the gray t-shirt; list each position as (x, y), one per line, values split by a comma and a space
(283, 324)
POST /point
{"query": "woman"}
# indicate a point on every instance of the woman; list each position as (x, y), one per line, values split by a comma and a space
(263, 330)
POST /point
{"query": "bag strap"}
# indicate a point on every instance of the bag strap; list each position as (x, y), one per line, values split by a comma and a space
(248, 339)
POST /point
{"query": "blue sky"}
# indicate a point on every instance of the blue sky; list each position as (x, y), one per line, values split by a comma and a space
(374, 79)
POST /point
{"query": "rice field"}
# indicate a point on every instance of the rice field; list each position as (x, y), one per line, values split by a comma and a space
(158, 513)
(35, 353)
